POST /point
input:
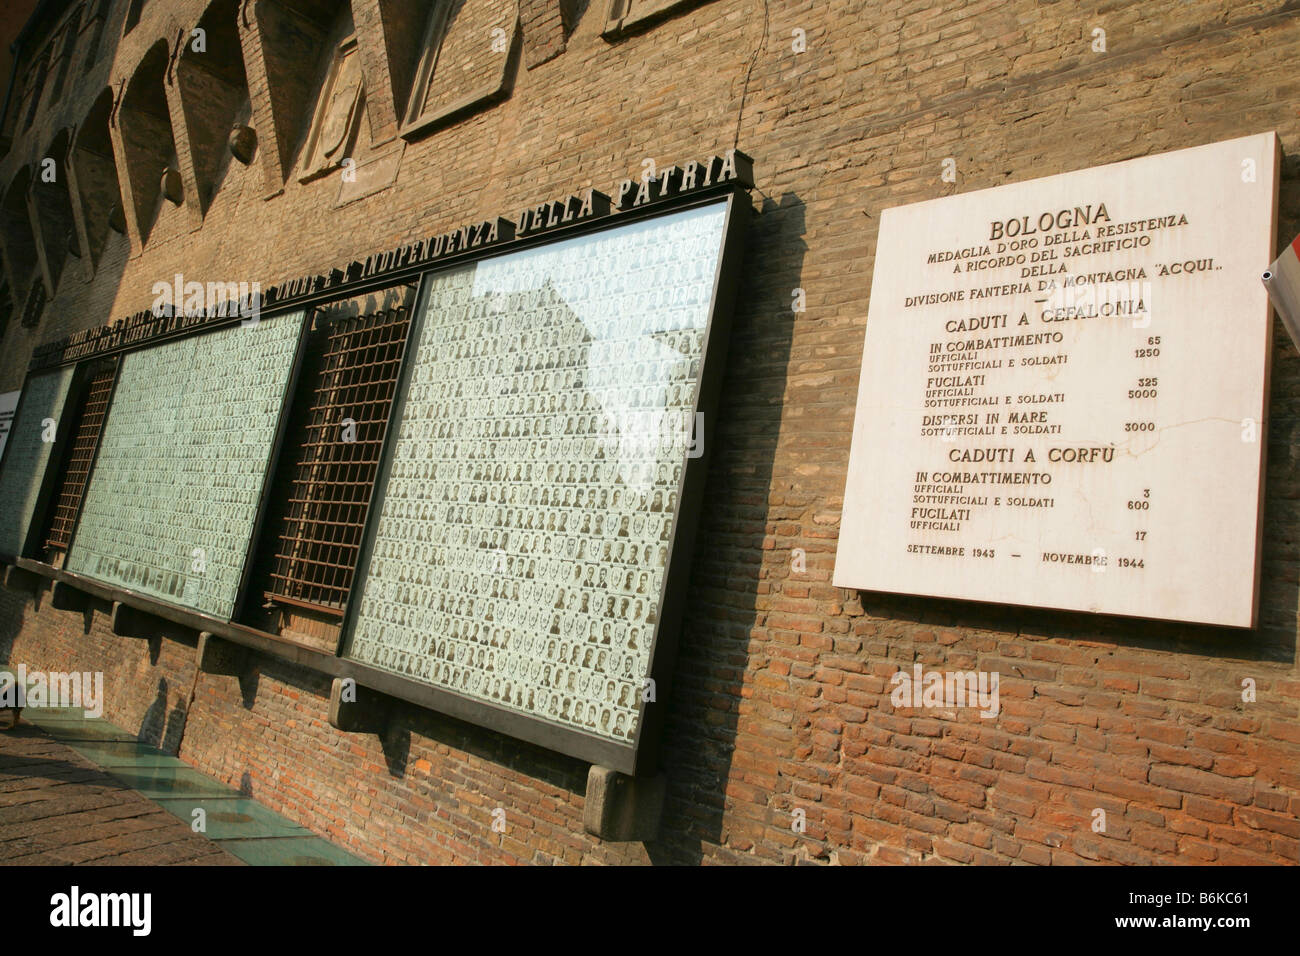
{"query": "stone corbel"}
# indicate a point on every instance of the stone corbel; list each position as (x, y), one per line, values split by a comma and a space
(127, 621)
(216, 656)
(355, 709)
(65, 597)
(21, 581)
(623, 809)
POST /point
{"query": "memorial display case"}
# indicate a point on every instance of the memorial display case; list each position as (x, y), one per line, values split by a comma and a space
(174, 496)
(533, 495)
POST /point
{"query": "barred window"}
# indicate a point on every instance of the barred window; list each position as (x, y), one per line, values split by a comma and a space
(335, 450)
(76, 469)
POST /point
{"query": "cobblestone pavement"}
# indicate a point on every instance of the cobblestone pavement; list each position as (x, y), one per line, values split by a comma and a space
(78, 789)
(59, 808)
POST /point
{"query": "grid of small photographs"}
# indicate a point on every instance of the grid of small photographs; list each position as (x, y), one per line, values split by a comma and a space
(174, 494)
(526, 522)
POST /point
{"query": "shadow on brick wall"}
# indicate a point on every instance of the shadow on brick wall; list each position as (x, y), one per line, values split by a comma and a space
(12, 609)
(700, 731)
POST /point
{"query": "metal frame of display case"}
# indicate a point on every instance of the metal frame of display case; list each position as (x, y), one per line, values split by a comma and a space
(639, 756)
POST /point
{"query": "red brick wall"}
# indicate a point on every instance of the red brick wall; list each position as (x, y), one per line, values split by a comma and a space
(781, 697)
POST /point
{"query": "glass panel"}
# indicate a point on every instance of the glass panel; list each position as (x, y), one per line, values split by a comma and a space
(525, 525)
(27, 454)
(175, 490)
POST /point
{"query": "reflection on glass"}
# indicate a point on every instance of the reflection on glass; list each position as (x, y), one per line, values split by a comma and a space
(30, 444)
(524, 533)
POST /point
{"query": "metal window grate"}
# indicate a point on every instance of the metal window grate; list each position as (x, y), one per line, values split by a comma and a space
(335, 466)
(77, 472)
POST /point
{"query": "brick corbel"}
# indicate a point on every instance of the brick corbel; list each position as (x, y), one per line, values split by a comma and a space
(546, 25)
(89, 254)
(45, 272)
(181, 133)
(382, 40)
(277, 114)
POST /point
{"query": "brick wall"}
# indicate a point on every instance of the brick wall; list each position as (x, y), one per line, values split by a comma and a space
(781, 696)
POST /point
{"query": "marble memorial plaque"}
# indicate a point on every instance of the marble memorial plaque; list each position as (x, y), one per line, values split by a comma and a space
(1063, 391)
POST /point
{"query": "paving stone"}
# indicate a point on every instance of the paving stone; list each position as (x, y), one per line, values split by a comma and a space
(58, 808)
